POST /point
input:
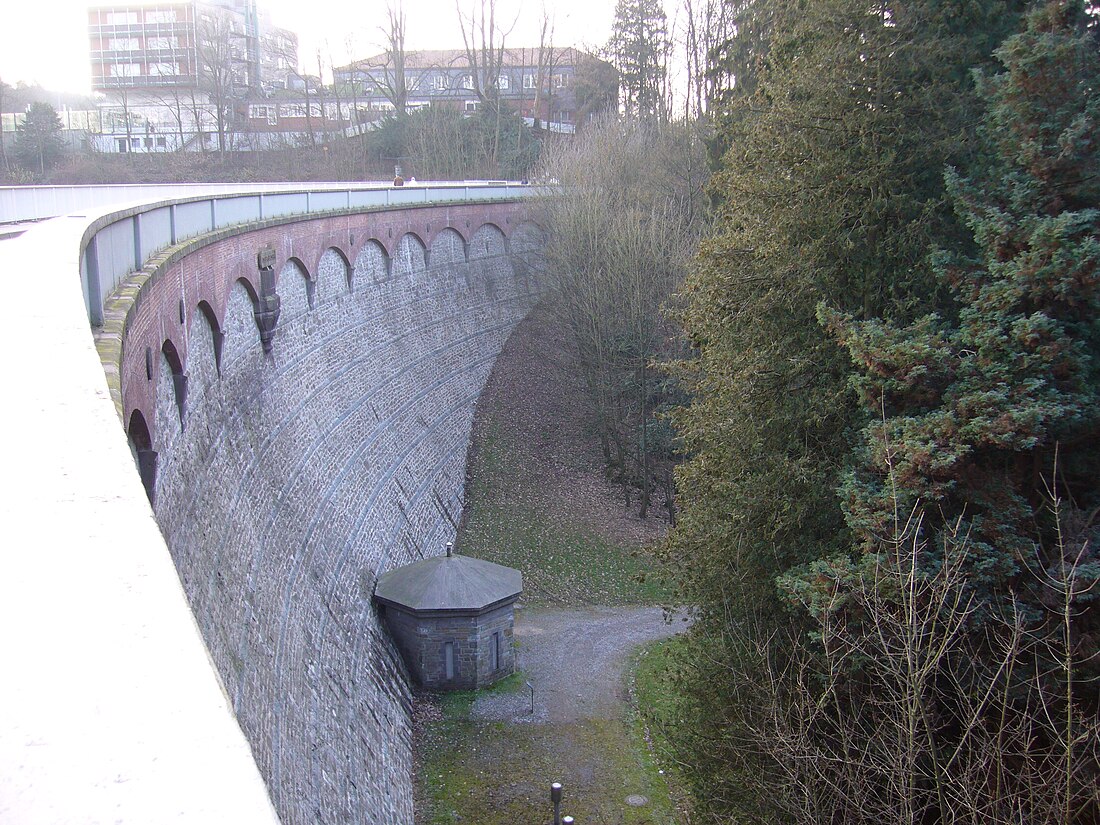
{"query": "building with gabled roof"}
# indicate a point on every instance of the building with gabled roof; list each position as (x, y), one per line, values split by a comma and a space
(558, 88)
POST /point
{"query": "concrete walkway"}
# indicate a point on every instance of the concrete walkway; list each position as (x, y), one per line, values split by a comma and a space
(112, 710)
(575, 659)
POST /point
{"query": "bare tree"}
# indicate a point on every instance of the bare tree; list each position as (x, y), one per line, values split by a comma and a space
(218, 56)
(3, 149)
(912, 704)
(394, 83)
(620, 238)
(708, 27)
(483, 39)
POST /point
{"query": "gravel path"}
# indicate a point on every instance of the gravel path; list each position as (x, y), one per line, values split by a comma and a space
(575, 658)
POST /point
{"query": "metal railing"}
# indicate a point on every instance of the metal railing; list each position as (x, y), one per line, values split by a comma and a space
(121, 241)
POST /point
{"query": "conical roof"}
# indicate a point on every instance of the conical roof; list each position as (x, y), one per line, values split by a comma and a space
(449, 583)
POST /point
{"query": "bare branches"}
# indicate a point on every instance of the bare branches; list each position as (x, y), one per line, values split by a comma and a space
(621, 236)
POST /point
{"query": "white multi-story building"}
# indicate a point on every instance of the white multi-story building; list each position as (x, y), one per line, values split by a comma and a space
(173, 72)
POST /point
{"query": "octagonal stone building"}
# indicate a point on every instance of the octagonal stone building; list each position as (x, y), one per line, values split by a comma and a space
(452, 618)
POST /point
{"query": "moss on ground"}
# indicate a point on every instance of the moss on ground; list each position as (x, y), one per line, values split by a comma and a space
(659, 712)
(495, 773)
(519, 518)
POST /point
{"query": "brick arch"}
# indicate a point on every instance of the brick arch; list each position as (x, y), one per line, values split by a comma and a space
(295, 301)
(433, 229)
(472, 245)
(297, 261)
(362, 260)
(445, 232)
(179, 376)
(141, 442)
(249, 287)
(344, 260)
(215, 328)
(244, 327)
(394, 258)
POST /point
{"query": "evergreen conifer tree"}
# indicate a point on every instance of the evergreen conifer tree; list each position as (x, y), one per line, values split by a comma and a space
(38, 142)
(831, 189)
(639, 48)
(987, 419)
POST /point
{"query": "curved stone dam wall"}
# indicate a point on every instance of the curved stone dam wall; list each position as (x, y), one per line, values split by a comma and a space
(291, 463)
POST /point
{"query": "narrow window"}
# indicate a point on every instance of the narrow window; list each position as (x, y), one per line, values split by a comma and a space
(449, 659)
(495, 652)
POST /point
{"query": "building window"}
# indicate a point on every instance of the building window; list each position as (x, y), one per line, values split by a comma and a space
(292, 110)
(466, 81)
(528, 81)
(439, 82)
(503, 82)
(471, 105)
(559, 81)
(494, 653)
(160, 16)
(163, 69)
(161, 43)
(121, 18)
(125, 70)
(449, 660)
(258, 112)
(162, 143)
(123, 44)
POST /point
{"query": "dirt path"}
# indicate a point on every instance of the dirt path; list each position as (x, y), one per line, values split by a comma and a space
(487, 758)
(537, 500)
(575, 660)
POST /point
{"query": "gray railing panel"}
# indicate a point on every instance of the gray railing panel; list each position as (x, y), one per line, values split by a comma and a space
(231, 211)
(192, 219)
(156, 231)
(326, 201)
(116, 253)
(367, 197)
(280, 205)
(410, 194)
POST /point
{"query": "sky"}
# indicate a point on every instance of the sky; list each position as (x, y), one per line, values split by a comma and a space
(47, 41)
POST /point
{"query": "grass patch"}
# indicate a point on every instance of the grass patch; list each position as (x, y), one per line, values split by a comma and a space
(515, 519)
(659, 713)
(493, 773)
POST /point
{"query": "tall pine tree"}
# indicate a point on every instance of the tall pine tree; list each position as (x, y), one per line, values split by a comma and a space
(974, 499)
(984, 418)
(639, 48)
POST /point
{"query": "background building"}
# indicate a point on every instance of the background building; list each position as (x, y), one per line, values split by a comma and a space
(557, 87)
(175, 74)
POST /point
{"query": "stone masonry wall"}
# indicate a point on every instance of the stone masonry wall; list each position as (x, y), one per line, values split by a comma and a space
(498, 621)
(287, 482)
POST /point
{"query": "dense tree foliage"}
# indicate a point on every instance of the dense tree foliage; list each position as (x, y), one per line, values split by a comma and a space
(38, 140)
(921, 647)
(974, 496)
(639, 48)
(982, 417)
